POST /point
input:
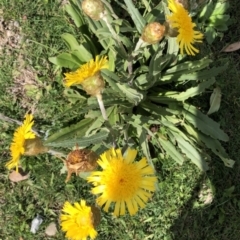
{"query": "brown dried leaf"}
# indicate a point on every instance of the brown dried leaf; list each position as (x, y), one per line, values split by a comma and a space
(51, 229)
(232, 47)
(17, 176)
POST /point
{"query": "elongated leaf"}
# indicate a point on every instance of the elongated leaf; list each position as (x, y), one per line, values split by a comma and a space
(137, 18)
(194, 65)
(205, 74)
(131, 94)
(65, 60)
(191, 92)
(76, 130)
(99, 121)
(191, 153)
(204, 123)
(217, 148)
(75, 14)
(83, 141)
(215, 100)
(142, 135)
(171, 150)
(70, 41)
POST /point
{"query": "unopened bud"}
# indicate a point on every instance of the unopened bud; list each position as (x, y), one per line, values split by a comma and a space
(93, 85)
(93, 8)
(153, 32)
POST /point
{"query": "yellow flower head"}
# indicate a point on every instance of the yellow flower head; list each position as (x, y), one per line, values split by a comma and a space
(123, 181)
(78, 222)
(86, 71)
(21, 134)
(180, 20)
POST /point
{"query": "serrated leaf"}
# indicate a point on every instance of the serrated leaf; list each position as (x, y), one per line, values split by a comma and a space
(83, 141)
(191, 153)
(204, 74)
(218, 149)
(131, 94)
(215, 100)
(191, 92)
(75, 130)
(204, 123)
(142, 135)
(137, 18)
(171, 150)
(189, 65)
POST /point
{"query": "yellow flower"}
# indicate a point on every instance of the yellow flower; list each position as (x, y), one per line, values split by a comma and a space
(78, 221)
(181, 20)
(17, 147)
(86, 71)
(123, 181)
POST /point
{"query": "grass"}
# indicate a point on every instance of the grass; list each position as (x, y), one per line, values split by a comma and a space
(189, 204)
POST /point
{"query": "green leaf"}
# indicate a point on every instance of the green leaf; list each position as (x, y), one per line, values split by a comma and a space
(75, 130)
(81, 141)
(137, 18)
(65, 60)
(210, 34)
(73, 95)
(131, 94)
(194, 75)
(191, 152)
(75, 14)
(191, 92)
(217, 148)
(70, 41)
(215, 100)
(189, 65)
(206, 12)
(82, 54)
(171, 150)
(204, 123)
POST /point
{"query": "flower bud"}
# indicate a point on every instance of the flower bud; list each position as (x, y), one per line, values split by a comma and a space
(34, 147)
(80, 160)
(93, 85)
(93, 8)
(153, 33)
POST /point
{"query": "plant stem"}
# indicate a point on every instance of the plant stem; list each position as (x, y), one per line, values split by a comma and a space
(114, 34)
(104, 114)
(101, 105)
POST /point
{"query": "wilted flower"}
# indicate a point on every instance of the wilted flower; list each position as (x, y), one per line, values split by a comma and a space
(79, 220)
(80, 160)
(93, 8)
(181, 21)
(153, 32)
(17, 147)
(123, 181)
(88, 75)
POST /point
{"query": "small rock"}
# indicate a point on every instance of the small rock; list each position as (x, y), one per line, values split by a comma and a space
(51, 229)
(18, 176)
